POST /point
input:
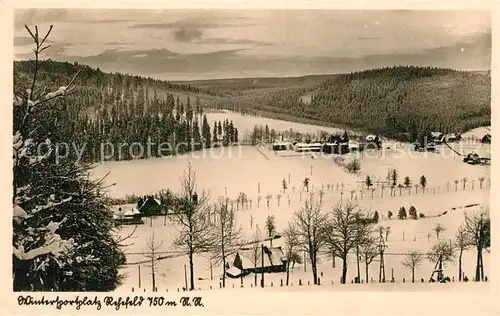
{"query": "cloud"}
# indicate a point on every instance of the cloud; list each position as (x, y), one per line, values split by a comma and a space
(56, 51)
(470, 52)
(23, 41)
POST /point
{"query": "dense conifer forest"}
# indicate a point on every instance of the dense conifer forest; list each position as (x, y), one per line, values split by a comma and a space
(109, 112)
(393, 101)
(398, 102)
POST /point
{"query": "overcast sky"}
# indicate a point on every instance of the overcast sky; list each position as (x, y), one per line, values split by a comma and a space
(188, 44)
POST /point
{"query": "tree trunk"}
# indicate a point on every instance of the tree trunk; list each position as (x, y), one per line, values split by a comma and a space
(191, 270)
(413, 274)
(460, 265)
(357, 263)
(481, 260)
(153, 273)
(287, 272)
(478, 264)
(255, 278)
(344, 270)
(314, 269)
(333, 260)
(223, 271)
(366, 271)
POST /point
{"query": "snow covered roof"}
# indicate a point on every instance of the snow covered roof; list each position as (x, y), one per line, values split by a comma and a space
(124, 210)
(272, 257)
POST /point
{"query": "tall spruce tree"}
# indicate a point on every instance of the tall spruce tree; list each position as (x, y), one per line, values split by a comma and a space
(63, 236)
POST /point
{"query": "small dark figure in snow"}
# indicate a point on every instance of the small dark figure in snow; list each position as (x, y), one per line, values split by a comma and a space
(466, 279)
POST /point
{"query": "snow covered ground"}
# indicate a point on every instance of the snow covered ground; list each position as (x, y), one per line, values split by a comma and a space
(259, 172)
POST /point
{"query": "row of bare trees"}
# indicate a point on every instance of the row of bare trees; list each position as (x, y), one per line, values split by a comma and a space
(347, 229)
(344, 230)
(474, 233)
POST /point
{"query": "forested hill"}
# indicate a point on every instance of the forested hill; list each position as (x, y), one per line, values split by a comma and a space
(55, 72)
(392, 101)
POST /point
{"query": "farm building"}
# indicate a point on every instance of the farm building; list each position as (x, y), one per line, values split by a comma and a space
(452, 137)
(335, 148)
(126, 214)
(370, 138)
(372, 141)
(311, 147)
(149, 205)
(248, 261)
(280, 146)
(424, 147)
(437, 137)
(486, 139)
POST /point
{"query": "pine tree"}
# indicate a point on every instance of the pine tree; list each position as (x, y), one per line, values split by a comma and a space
(423, 182)
(402, 213)
(368, 182)
(215, 133)
(206, 132)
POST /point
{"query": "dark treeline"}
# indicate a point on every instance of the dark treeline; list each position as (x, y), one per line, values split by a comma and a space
(55, 70)
(398, 102)
(109, 113)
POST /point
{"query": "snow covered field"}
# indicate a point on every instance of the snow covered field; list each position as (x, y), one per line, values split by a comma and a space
(229, 171)
(246, 123)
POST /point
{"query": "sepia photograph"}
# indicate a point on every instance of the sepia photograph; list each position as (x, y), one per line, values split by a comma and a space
(241, 152)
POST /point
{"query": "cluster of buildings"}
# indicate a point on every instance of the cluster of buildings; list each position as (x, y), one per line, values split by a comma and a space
(335, 144)
(131, 214)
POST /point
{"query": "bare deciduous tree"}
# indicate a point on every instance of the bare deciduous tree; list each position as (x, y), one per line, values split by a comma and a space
(462, 243)
(481, 180)
(192, 219)
(255, 255)
(268, 200)
(464, 181)
(412, 260)
(477, 227)
(226, 239)
(291, 244)
(278, 196)
(310, 222)
(152, 253)
(346, 230)
(441, 253)
(368, 251)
